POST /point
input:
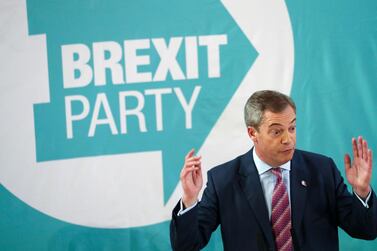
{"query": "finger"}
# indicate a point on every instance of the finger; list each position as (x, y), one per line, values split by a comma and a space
(191, 168)
(354, 148)
(192, 163)
(370, 159)
(360, 147)
(365, 150)
(347, 162)
(193, 158)
(187, 171)
(190, 153)
(200, 165)
(194, 179)
(198, 176)
(199, 173)
(196, 158)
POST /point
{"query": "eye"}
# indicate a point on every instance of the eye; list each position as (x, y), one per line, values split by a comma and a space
(275, 132)
(292, 129)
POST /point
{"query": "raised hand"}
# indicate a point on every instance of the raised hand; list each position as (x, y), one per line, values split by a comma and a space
(359, 172)
(191, 178)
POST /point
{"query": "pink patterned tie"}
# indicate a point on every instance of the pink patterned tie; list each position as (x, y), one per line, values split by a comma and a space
(281, 214)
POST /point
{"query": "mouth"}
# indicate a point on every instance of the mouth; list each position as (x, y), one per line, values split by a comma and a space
(287, 150)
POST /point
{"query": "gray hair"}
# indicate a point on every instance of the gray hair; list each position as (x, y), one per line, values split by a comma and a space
(261, 101)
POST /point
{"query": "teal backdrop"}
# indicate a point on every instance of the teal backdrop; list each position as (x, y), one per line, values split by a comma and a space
(335, 81)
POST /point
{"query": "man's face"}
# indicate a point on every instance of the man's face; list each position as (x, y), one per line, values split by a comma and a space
(275, 140)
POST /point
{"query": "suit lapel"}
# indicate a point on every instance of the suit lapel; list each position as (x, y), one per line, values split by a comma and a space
(299, 182)
(251, 186)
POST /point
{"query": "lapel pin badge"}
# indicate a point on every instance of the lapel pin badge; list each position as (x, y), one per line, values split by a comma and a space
(303, 182)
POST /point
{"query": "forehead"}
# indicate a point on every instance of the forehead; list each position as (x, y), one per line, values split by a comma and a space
(286, 117)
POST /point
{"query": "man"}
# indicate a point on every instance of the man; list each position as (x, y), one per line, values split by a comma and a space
(275, 197)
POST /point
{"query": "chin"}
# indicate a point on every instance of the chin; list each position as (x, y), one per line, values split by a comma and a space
(287, 158)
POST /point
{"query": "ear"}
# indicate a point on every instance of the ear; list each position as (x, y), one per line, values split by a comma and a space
(253, 134)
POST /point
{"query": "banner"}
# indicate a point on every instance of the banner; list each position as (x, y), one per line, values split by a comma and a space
(101, 100)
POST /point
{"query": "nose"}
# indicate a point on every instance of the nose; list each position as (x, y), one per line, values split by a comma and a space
(285, 138)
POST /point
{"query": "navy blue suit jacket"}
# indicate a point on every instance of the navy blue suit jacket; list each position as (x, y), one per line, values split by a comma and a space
(234, 200)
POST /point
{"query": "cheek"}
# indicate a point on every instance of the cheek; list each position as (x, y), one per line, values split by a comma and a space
(294, 138)
(272, 146)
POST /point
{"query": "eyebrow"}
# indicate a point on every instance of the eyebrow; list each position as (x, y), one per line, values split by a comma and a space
(278, 124)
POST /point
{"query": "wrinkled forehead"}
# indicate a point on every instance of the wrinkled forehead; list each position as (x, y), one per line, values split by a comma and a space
(283, 118)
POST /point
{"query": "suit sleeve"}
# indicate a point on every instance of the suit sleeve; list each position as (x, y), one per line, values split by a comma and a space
(192, 230)
(352, 216)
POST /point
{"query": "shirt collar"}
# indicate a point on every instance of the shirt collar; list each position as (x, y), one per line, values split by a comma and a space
(263, 167)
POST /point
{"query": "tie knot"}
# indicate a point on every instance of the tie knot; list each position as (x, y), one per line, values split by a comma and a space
(276, 172)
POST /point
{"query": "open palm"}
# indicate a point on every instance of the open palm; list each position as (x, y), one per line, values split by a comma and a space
(359, 171)
(191, 178)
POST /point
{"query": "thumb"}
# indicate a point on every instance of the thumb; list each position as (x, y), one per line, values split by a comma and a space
(190, 153)
(347, 162)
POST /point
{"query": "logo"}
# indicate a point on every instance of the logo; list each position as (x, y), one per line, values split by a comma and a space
(130, 90)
